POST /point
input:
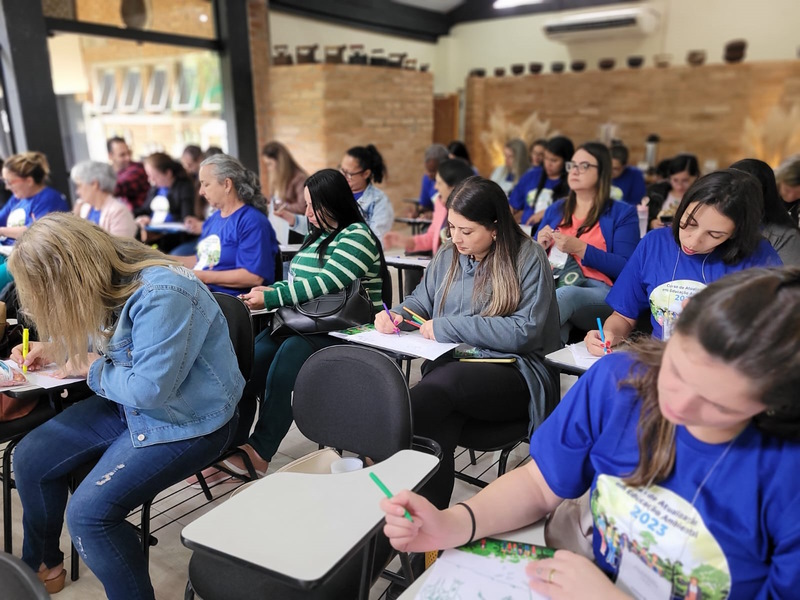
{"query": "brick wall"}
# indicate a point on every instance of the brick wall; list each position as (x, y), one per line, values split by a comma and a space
(260, 64)
(320, 110)
(696, 109)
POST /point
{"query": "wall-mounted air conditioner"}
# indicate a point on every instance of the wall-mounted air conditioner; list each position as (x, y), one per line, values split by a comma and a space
(603, 24)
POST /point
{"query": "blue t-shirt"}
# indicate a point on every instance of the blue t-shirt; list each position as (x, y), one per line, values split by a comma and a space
(243, 240)
(742, 535)
(19, 213)
(94, 216)
(631, 184)
(357, 195)
(427, 192)
(659, 276)
(523, 197)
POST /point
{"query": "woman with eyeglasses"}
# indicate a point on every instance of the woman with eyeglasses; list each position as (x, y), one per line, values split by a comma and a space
(589, 237)
(716, 231)
(541, 186)
(689, 450)
(363, 166)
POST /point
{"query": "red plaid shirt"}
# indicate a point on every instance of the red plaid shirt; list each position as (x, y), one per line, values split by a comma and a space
(132, 185)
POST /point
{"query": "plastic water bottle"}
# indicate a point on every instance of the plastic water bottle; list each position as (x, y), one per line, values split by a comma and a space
(642, 213)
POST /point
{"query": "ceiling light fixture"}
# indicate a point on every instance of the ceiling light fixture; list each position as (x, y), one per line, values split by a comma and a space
(500, 4)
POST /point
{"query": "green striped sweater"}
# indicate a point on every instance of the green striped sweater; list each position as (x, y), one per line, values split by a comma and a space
(352, 254)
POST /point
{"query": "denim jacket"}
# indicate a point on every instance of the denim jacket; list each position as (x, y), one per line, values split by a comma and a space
(377, 209)
(170, 362)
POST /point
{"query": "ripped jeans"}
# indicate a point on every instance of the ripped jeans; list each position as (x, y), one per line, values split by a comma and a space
(123, 478)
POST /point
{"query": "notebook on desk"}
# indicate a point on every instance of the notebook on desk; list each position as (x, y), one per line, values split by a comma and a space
(487, 568)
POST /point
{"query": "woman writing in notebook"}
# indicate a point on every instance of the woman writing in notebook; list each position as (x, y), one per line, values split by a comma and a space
(689, 449)
(166, 380)
(716, 231)
(489, 287)
(590, 231)
(339, 249)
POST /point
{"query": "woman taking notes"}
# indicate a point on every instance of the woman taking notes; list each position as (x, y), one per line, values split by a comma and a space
(588, 227)
(716, 231)
(491, 288)
(95, 182)
(689, 449)
(237, 248)
(363, 167)
(166, 381)
(339, 249)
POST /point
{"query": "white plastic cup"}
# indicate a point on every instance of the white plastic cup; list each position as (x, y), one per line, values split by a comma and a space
(345, 465)
(642, 213)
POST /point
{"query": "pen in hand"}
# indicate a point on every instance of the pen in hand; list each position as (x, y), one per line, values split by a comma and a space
(386, 491)
(606, 349)
(25, 348)
(391, 320)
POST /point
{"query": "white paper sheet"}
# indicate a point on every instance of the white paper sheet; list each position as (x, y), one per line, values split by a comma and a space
(410, 261)
(167, 227)
(42, 379)
(465, 576)
(582, 356)
(407, 342)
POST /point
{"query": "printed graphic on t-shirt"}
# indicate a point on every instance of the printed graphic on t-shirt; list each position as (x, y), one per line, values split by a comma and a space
(541, 202)
(160, 207)
(666, 300)
(208, 252)
(16, 218)
(616, 193)
(665, 532)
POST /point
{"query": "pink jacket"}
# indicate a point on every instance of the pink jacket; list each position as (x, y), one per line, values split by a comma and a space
(432, 238)
(115, 217)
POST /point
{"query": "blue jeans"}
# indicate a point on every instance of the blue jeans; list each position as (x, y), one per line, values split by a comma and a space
(123, 478)
(572, 297)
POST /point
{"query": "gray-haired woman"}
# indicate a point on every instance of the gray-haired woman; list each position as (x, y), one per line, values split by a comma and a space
(237, 246)
(94, 183)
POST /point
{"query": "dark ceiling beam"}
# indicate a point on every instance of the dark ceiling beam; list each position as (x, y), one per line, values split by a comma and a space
(381, 16)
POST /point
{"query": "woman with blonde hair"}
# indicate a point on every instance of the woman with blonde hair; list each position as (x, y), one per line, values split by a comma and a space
(25, 176)
(166, 381)
(286, 178)
(689, 450)
(516, 164)
(491, 288)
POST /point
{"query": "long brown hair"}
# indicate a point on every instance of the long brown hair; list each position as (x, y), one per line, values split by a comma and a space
(497, 290)
(749, 320)
(286, 168)
(602, 194)
(72, 276)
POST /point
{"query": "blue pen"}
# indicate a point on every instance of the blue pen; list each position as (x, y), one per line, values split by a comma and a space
(602, 335)
(391, 320)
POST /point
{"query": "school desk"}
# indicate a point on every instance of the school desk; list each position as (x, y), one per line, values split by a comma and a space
(402, 263)
(299, 528)
(417, 224)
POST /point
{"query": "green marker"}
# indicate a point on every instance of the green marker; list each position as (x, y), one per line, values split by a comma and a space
(386, 491)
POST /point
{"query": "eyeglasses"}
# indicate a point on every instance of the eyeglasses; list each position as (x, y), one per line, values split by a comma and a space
(349, 175)
(10, 180)
(581, 167)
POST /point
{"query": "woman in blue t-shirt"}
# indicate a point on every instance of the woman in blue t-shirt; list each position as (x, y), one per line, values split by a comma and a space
(24, 175)
(237, 248)
(717, 230)
(689, 450)
(541, 186)
(589, 231)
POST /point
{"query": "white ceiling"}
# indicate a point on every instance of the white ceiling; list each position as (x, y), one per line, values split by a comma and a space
(442, 6)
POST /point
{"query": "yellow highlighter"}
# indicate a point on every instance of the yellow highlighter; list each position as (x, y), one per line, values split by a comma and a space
(25, 348)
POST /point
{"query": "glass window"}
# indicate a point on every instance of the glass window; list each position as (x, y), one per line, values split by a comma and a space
(157, 90)
(193, 18)
(131, 99)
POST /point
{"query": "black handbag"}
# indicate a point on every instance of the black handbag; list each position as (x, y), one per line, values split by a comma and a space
(346, 308)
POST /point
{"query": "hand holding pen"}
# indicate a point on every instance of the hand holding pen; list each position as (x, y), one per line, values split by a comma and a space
(391, 319)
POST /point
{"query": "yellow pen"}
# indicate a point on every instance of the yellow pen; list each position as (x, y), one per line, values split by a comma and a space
(413, 314)
(25, 344)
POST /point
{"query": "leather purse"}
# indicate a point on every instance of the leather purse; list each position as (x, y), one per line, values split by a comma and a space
(346, 308)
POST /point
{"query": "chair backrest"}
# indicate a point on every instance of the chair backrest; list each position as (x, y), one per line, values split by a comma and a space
(240, 327)
(353, 398)
(18, 581)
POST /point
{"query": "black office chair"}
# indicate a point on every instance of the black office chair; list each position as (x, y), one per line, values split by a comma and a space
(11, 432)
(486, 436)
(240, 325)
(349, 397)
(18, 581)
(241, 332)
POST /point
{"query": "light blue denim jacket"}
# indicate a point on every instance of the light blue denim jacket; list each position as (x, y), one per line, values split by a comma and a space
(377, 209)
(170, 362)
